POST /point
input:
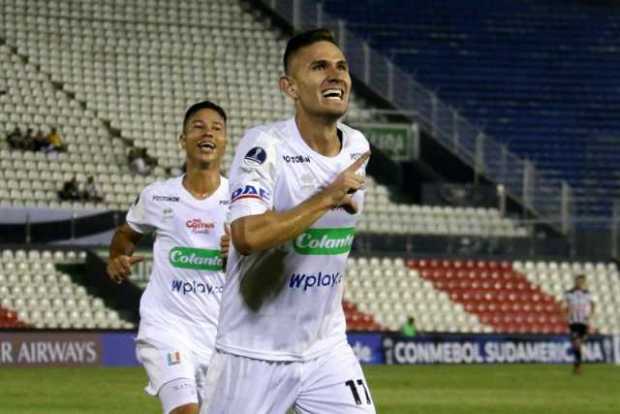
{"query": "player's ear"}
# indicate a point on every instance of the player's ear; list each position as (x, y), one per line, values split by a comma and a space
(182, 140)
(287, 85)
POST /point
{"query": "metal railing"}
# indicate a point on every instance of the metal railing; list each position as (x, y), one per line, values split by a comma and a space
(548, 199)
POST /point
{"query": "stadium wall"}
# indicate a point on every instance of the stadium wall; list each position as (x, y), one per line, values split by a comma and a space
(113, 349)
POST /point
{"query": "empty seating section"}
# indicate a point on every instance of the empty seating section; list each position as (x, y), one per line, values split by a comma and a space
(554, 278)
(500, 297)
(358, 320)
(135, 68)
(465, 296)
(539, 76)
(33, 293)
(30, 178)
(390, 291)
(523, 297)
(381, 215)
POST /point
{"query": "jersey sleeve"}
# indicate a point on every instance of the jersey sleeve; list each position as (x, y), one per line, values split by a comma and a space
(141, 215)
(252, 175)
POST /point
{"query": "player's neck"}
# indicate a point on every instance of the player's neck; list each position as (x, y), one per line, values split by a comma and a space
(319, 133)
(201, 182)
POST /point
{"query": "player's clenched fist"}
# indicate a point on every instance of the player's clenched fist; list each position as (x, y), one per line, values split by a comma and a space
(119, 268)
(347, 183)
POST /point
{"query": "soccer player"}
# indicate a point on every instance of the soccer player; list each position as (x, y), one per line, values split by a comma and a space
(580, 308)
(180, 305)
(296, 194)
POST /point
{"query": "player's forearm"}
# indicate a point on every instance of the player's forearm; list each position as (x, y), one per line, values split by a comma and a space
(123, 242)
(251, 234)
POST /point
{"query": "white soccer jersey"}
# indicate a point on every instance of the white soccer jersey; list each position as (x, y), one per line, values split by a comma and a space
(579, 303)
(187, 277)
(285, 304)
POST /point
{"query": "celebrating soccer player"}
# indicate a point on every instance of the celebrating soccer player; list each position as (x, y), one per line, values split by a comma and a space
(180, 306)
(297, 190)
(580, 308)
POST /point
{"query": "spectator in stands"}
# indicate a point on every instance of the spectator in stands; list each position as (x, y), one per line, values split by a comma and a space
(408, 329)
(90, 191)
(28, 140)
(150, 161)
(40, 142)
(70, 190)
(137, 162)
(15, 138)
(55, 140)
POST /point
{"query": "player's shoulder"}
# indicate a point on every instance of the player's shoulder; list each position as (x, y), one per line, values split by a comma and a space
(260, 145)
(354, 138)
(159, 190)
(166, 185)
(270, 134)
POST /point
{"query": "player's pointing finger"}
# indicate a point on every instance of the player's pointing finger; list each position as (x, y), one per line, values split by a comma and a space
(356, 165)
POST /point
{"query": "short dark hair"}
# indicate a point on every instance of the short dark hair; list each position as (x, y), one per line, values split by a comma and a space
(304, 39)
(199, 107)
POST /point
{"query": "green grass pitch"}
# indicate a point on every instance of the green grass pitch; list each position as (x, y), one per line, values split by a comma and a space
(438, 389)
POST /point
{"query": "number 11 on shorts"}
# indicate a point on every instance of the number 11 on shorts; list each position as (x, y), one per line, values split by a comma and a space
(354, 390)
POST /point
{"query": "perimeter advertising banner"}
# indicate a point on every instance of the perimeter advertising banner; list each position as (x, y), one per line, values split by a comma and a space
(118, 349)
(67, 349)
(492, 349)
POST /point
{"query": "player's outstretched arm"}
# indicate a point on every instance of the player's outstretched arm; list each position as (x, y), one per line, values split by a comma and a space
(122, 247)
(255, 233)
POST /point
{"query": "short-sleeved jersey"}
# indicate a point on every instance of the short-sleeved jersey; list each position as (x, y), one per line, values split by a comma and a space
(187, 276)
(285, 304)
(579, 303)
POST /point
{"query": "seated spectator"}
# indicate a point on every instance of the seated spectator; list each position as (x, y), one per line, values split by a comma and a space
(90, 191)
(70, 190)
(150, 161)
(55, 140)
(408, 329)
(140, 162)
(15, 139)
(28, 140)
(40, 142)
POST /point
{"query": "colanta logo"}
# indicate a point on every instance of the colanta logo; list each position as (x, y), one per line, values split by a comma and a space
(197, 259)
(324, 241)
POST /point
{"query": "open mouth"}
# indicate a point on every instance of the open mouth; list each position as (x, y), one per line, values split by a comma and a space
(206, 146)
(333, 94)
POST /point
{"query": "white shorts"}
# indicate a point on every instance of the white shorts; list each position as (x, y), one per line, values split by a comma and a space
(331, 384)
(175, 366)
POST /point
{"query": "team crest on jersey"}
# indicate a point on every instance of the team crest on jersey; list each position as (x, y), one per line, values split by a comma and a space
(256, 155)
(174, 358)
(250, 191)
